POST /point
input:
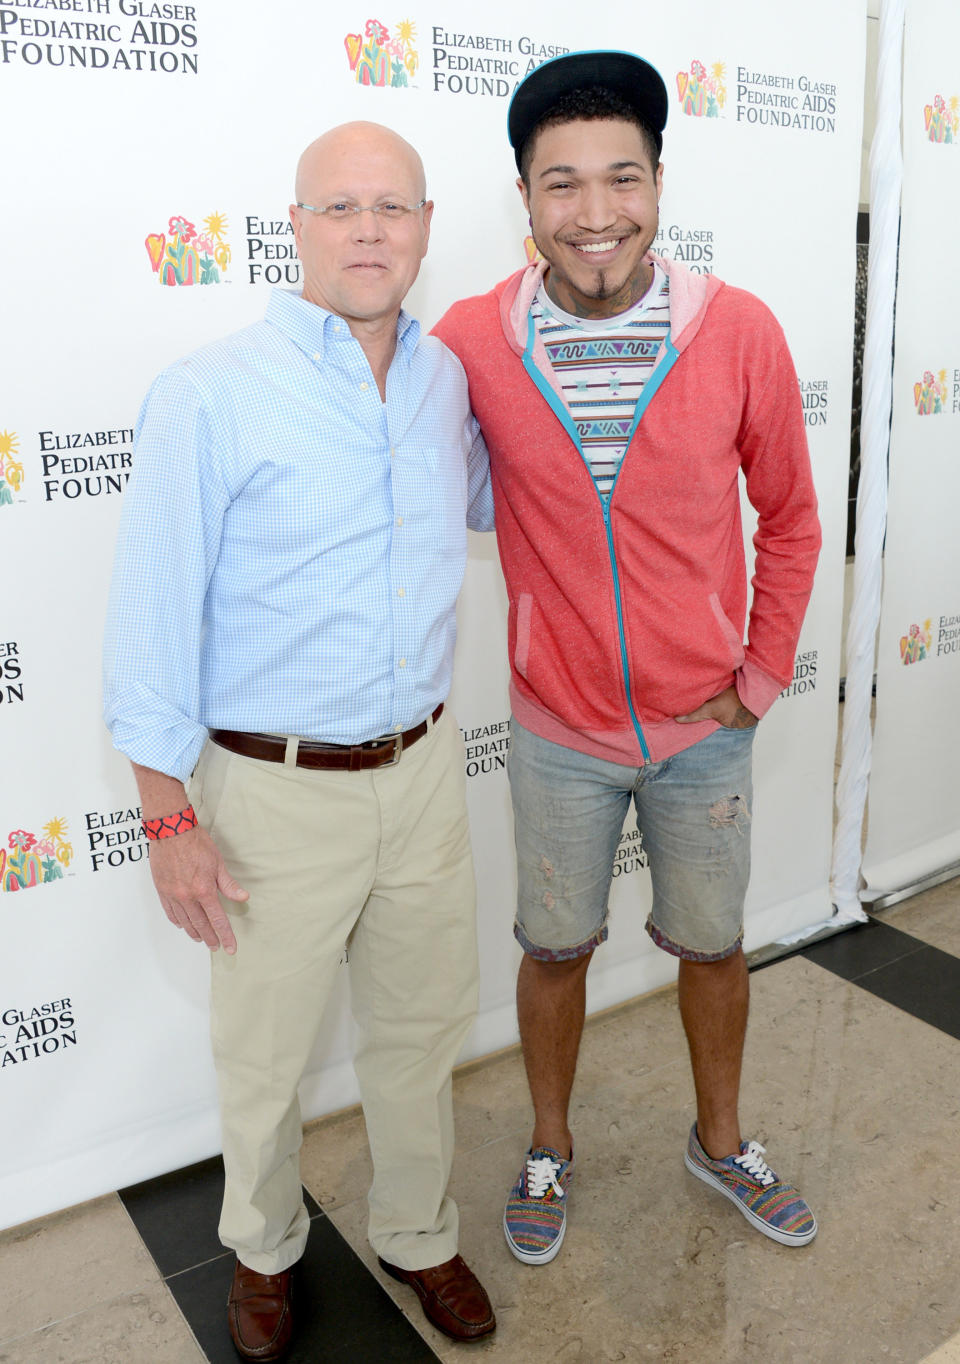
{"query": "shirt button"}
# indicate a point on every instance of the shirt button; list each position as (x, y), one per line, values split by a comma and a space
(392, 452)
(402, 663)
(364, 385)
(399, 520)
(396, 729)
(316, 355)
(400, 592)
(336, 327)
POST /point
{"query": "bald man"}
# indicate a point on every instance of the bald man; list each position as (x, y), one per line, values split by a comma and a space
(278, 657)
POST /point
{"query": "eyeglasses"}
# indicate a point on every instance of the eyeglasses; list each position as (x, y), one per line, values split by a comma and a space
(341, 211)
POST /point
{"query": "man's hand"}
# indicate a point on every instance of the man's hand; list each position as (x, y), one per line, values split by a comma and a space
(188, 871)
(727, 708)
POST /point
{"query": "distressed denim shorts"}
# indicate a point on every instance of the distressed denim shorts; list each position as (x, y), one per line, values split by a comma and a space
(693, 812)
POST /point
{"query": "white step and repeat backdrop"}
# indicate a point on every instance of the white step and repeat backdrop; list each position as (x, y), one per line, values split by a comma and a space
(148, 159)
(914, 827)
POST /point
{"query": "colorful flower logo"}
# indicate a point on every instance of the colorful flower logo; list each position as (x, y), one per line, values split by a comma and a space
(702, 96)
(377, 59)
(930, 394)
(942, 119)
(11, 470)
(917, 643)
(182, 255)
(28, 861)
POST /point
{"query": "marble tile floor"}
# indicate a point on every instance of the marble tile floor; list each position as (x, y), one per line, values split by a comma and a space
(850, 1081)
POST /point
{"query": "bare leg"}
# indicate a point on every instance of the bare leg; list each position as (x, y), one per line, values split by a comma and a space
(551, 1001)
(714, 998)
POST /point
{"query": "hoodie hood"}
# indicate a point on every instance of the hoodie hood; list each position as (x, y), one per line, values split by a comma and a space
(690, 296)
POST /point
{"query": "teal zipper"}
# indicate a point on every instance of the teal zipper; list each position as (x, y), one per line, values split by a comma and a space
(560, 411)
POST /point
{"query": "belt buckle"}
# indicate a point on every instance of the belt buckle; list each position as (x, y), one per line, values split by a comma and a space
(397, 751)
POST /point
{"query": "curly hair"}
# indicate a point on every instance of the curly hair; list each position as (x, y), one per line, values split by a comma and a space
(588, 103)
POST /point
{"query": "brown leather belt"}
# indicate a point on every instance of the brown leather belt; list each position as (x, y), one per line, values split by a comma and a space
(383, 752)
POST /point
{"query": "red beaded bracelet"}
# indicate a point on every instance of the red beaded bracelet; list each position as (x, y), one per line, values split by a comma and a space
(168, 826)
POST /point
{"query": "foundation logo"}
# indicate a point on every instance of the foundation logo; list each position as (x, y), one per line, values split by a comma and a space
(98, 470)
(98, 39)
(271, 251)
(776, 99)
(36, 1031)
(28, 861)
(115, 837)
(916, 644)
(804, 674)
(815, 396)
(948, 635)
(485, 64)
(702, 96)
(182, 255)
(11, 470)
(630, 855)
(942, 119)
(930, 395)
(11, 673)
(693, 245)
(377, 59)
(486, 748)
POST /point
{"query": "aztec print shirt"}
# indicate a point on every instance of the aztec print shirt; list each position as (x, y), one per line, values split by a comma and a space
(602, 365)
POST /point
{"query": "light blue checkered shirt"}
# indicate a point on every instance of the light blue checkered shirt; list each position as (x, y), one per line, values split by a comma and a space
(291, 548)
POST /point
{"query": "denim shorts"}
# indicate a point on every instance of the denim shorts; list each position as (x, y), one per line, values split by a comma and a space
(693, 813)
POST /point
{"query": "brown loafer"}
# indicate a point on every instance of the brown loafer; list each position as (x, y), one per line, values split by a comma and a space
(259, 1313)
(452, 1298)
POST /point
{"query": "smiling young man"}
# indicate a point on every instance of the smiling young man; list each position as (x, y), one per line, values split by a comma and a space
(280, 638)
(621, 397)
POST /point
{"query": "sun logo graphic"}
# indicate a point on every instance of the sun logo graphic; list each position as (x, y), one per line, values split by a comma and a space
(30, 861)
(11, 470)
(916, 644)
(942, 119)
(930, 394)
(377, 59)
(182, 255)
(702, 96)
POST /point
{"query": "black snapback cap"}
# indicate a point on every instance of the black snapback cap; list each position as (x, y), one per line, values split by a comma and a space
(636, 82)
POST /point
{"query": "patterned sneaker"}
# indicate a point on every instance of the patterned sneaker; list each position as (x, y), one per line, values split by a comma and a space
(770, 1205)
(535, 1218)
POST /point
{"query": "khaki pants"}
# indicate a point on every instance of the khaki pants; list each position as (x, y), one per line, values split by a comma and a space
(380, 859)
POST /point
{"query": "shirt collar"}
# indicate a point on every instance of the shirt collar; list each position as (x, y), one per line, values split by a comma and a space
(312, 328)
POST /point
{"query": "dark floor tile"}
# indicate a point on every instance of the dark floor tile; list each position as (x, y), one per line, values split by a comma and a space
(177, 1214)
(925, 984)
(862, 949)
(343, 1315)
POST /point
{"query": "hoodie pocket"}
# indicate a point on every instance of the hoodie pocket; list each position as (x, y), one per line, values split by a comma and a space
(521, 649)
(730, 634)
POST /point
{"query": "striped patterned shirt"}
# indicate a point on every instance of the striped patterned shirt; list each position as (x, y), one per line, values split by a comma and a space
(602, 365)
(291, 547)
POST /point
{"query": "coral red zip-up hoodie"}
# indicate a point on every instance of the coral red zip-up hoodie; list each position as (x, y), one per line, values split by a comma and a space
(626, 615)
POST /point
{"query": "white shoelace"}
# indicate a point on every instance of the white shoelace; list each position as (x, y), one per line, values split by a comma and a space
(752, 1161)
(542, 1175)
